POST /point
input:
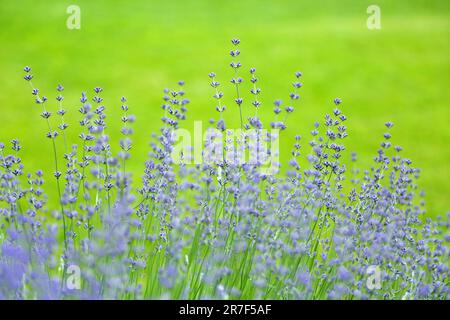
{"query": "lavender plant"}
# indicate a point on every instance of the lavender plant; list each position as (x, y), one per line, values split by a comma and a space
(222, 229)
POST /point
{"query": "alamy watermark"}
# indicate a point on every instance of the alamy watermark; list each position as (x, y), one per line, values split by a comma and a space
(373, 281)
(374, 19)
(73, 277)
(74, 19)
(235, 147)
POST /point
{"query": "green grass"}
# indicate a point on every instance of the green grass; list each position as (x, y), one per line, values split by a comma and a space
(136, 48)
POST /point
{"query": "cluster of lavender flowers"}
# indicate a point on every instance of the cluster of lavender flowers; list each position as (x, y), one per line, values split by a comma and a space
(221, 230)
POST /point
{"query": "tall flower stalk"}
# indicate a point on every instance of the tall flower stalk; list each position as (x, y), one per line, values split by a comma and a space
(51, 134)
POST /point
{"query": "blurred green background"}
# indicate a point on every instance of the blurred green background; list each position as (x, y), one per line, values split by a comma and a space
(137, 48)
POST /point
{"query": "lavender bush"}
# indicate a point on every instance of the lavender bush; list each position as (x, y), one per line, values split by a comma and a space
(221, 229)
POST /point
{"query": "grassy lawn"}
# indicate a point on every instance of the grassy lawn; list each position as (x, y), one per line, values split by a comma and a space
(137, 48)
